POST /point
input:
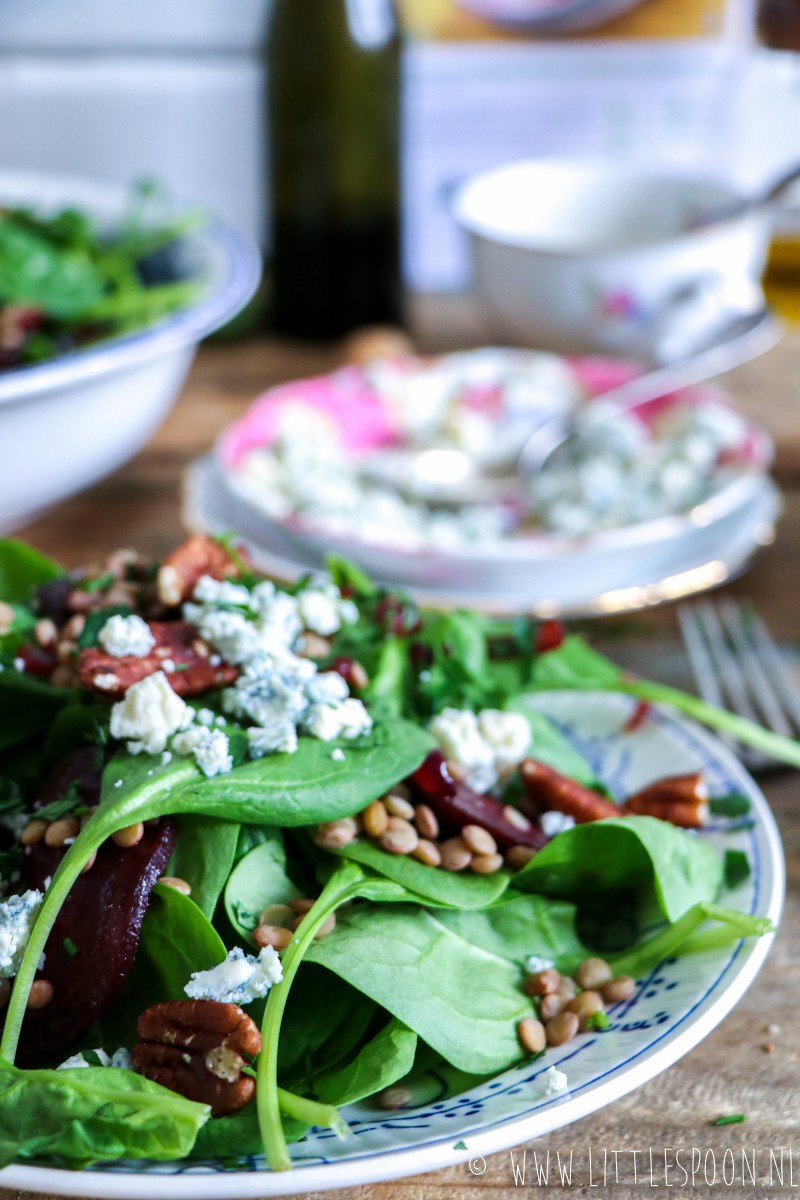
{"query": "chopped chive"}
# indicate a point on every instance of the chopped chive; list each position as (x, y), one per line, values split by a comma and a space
(737, 868)
(460, 1146)
(70, 947)
(97, 585)
(733, 1119)
(735, 804)
(598, 1020)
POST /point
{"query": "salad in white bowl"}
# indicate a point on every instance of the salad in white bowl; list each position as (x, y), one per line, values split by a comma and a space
(268, 851)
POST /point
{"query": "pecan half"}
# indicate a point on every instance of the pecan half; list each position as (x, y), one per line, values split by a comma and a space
(198, 1048)
(188, 563)
(552, 791)
(680, 799)
(176, 643)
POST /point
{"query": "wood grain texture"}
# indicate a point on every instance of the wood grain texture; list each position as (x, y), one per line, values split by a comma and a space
(731, 1071)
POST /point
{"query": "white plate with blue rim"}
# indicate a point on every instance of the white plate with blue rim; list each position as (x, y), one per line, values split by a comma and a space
(675, 1006)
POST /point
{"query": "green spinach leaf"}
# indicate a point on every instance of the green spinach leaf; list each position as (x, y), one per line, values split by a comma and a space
(309, 786)
(92, 1115)
(626, 853)
(521, 926)
(325, 1020)
(204, 854)
(257, 880)
(687, 936)
(176, 940)
(463, 1000)
(28, 707)
(22, 569)
(574, 665)
(387, 1057)
(234, 1139)
(432, 887)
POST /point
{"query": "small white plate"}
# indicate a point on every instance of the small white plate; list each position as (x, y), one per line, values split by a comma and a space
(676, 1005)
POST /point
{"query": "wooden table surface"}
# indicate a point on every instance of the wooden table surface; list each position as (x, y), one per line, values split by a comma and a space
(731, 1071)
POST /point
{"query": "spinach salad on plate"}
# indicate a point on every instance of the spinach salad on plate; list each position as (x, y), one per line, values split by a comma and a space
(267, 851)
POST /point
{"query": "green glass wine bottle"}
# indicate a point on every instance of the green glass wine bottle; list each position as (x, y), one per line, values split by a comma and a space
(333, 127)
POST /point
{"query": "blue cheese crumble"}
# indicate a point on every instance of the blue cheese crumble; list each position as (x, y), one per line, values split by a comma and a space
(555, 1081)
(209, 748)
(278, 693)
(149, 713)
(123, 636)
(120, 1058)
(322, 609)
(612, 473)
(553, 822)
(17, 915)
(535, 962)
(239, 979)
(483, 746)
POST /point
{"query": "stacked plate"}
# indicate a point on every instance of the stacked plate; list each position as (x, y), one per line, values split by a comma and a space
(669, 500)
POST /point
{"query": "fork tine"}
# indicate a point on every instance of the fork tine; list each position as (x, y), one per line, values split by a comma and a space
(762, 689)
(700, 659)
(771, 657)
(732, 678)
(735, 662)
(707, 677)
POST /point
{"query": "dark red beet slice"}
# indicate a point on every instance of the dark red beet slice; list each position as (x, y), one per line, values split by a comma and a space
(37, 661)
(52, 598)
(81, 768)
(549, 636)
(174, 640)
(398, 616)
(100, 923)
(456, 805)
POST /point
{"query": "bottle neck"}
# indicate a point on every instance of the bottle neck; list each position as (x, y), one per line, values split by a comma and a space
(365, 25)
(372, 24)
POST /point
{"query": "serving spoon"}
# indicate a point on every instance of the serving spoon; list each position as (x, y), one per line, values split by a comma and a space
(768, 197)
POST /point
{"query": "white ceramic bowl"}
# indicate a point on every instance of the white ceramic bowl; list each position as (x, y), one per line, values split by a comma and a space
(584, 256)
(71, 420)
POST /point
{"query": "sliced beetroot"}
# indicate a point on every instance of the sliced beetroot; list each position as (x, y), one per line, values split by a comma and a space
(176, 643)
(398, 616)
(92, 946)
(549, 636)
(52, 598)
(457, 805)
(37, 661)
(81, 768)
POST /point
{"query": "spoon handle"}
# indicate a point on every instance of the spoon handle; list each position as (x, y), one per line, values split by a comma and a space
(776, 190)
(750, 337)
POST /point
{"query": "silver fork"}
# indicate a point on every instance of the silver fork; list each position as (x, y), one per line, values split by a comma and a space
(736, 664)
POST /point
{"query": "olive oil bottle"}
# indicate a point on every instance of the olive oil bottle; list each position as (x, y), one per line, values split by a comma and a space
(333, 148)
